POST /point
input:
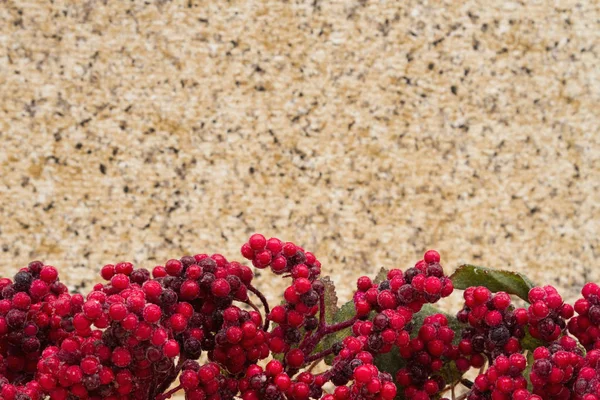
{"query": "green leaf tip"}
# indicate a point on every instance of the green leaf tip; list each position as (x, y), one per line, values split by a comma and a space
(494, 279)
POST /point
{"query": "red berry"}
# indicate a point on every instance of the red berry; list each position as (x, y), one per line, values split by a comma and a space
(121, 357)
(433, 285)
(302, 285)
(274, 245)
(247, 251)
(92, 309)
(117, 311)
(174, 267)
(295, 358)
(257, 241)
(279, 264)
(193, 272)
(125, 268)
(274, 368)
(189, 379)
(362, 374)
(120, 281)
(152, 289)
(481, 294)
(74, 374)
(171, 348)
(178, 322)
(90, 365)
(159, 271)
(220, 288)
(431, 256)
(501, 300)
(189, 290)
(493, 318)
(152, 313)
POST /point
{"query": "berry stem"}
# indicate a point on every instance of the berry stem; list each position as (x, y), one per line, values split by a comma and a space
(340, 325)
(264, 303)
(171, 377)
(251, 304)
(168, 394)
(309, 344)
(318, 356)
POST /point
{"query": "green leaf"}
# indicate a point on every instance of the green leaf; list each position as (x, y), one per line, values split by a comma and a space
(450, 373)
(495, 280)
(530, 343)
(527, 371)
(381, 276)
(390, 362)
(331, 300)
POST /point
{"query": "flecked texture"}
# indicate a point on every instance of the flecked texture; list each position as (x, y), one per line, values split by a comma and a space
(365, 131)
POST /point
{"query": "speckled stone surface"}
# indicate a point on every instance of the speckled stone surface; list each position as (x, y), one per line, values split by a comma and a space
(365, 131)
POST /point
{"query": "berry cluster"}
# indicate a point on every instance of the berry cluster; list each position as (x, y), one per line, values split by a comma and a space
(138, 332)
(547, 313)
(240, 342)
(206, 382)
(369, 383)
(301, 297)
(494, 327)
(394, 301)
(586, 385)
(503, 380)
(386, 329)
(424, 283)
(87, 367)
(35, 311)
(424, 355)
(555, 367)
(586, 325)
(273, 383)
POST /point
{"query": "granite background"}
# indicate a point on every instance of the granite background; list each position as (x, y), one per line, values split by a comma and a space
(366, 131)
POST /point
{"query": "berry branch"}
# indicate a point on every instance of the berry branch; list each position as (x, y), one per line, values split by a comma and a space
(264, 302)
(137, 333)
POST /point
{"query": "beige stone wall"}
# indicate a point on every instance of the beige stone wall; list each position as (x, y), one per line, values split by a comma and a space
(367, 131)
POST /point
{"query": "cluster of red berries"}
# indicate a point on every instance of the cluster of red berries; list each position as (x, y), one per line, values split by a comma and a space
(426, 355)
(586, 325)
(555, 368)
(586, 385)
(240, 342)
(503, 380)
(424, 283)
(135, 334)
(35, 311)
(206, 382)
(87, 367)
(494, 327)
(386, 329)
(301, 297)
(274, 383)
(369, 383)
(395, 300)
(547, 313)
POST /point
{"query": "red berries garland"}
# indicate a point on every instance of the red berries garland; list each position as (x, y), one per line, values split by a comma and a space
(138, 332)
